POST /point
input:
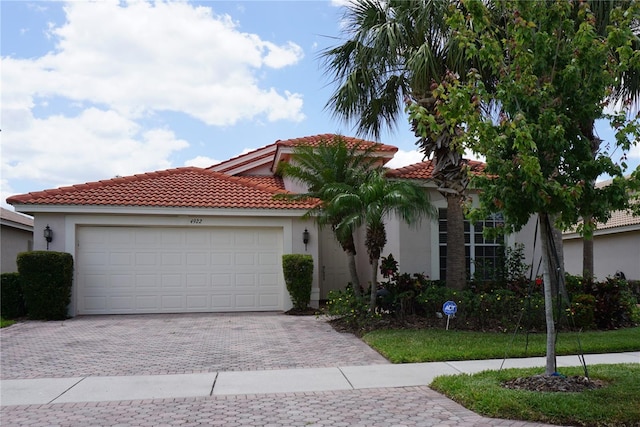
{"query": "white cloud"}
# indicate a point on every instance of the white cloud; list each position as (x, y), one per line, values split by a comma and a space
(201, 162)
(96, 144)
(77, 113)
(405, 158)
(141, 57)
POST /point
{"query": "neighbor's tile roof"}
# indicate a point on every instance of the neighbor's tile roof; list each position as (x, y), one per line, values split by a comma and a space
(16, 217)
(181, 187)
(351, 142)
(619, 219)
(424, 170)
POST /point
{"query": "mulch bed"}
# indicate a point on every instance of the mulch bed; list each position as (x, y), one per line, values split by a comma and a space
(551, 383)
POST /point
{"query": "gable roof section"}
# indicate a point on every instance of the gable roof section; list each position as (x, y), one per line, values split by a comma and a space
(245, 162)
(424, 170)
(382, 152)
(270, 155)
(180, 187)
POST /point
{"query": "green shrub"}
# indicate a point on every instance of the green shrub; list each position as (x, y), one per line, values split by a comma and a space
(614, 300)
(298, 276)
(350, 308)
(11, 298)
(46, 280)
(582, 311)
(399, 295)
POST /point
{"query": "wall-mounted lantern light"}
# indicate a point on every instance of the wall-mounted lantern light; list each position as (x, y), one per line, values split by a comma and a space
(305, 238)
(48, 235)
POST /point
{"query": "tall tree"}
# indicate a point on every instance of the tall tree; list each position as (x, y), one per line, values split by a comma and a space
(395, 51)
(370, 204)
(552, 70)
(623, 95)
(327, 166)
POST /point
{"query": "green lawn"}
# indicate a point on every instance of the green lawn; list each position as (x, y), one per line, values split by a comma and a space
(616, 404)
(437, 345)
(4, 323)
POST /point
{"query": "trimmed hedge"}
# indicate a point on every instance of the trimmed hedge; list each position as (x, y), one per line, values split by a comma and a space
(298, 275)
(11, 298)
(46, 282)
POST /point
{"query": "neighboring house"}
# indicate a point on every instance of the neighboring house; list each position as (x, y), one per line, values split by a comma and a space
(616, 248)
(211, 240)
(16, 235)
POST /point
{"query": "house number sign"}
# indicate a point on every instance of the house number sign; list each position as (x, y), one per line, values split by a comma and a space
(195, 221)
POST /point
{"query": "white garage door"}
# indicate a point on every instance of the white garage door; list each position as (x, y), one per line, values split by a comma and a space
(174, 270)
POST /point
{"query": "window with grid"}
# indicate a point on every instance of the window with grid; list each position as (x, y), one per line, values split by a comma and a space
(484, 256)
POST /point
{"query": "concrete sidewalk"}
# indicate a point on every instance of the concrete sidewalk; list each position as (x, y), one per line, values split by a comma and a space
(144, 387)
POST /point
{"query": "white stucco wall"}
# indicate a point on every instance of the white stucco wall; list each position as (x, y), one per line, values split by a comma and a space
(611, 253)
(13, 242)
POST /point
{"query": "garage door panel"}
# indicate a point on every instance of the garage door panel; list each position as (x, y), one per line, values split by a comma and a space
(120, 258)
(197, 258)
(154, 270)
(221, 259)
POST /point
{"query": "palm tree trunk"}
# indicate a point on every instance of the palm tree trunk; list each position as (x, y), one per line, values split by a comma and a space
(353, 272)
(374, 285)
(545, 237)
(456, 263)
(587, 253)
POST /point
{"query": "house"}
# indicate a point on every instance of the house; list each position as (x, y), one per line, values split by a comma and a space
(211, 240)
(616, 248)
(16, 235)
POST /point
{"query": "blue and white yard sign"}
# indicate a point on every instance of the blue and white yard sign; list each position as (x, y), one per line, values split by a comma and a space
(449, 308)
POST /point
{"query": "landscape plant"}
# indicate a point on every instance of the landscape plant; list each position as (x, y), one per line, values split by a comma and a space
(46, 281)
(391, 53)
(298, 277)
(11, 296)
(328, 165)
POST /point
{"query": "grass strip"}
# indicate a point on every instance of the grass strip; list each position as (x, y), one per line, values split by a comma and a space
(616, 404)
(436, 345)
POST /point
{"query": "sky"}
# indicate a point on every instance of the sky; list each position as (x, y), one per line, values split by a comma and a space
(93, 90)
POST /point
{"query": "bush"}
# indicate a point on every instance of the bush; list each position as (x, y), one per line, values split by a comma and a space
(399, 295)
(11, 298)
(47, 278)
(298, 276)
(351, 309)
(582, 311)
(614, 301)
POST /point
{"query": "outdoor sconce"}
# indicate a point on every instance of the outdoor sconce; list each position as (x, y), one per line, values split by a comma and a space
(305, 238)
(48, 235)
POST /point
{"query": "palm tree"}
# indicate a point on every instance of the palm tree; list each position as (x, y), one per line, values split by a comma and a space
(396, 52)
(627, 92)
(371, 204)
(330, 165)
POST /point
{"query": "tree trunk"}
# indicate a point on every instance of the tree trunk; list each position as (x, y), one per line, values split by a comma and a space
(456, 263)
(587, 253)
(545, 237)
(374, 285)
(557, 262)
(353, 272)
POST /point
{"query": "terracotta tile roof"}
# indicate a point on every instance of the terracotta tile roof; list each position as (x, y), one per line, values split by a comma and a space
(316, 140)
(619, 219)
(181, 187)
(251, 157)
(424, 170)
(266, 153)
(268, 180)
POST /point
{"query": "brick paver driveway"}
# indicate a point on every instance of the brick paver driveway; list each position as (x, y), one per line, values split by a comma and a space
(176, 343)
(163, 344)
